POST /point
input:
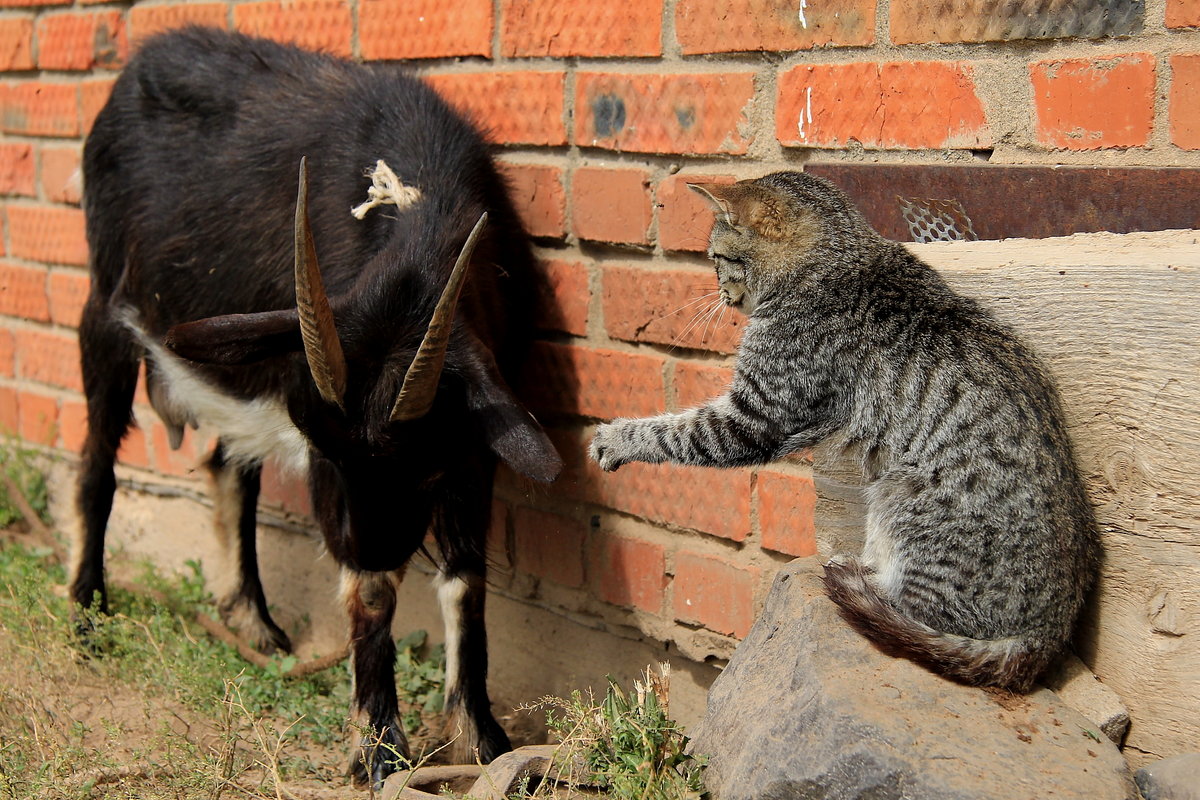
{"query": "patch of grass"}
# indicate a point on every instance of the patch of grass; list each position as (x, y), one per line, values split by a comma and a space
(626, 745)
(18, 464)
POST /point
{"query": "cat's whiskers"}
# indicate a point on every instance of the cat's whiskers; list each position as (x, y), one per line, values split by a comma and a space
(691, 302)
(714, 314)
(698, 318)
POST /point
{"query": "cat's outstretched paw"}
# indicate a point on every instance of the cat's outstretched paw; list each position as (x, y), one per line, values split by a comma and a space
(610, 446)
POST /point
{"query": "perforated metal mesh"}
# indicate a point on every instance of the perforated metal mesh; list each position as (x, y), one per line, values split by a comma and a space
(931, 220)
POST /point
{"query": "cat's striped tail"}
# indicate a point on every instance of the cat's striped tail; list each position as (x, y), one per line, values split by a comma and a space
(1011, 663)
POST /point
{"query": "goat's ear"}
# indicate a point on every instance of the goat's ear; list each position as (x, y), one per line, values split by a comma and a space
(511, 432)
(237, 338)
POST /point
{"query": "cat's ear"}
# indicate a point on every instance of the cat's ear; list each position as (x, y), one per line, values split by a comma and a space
(718, 196)
(747, 206)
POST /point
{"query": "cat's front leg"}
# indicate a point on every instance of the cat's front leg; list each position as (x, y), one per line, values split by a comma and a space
(624, 440)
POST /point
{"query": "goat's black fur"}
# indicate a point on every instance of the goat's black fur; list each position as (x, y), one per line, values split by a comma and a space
(190, 178)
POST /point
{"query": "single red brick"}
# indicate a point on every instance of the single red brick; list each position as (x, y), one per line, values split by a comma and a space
(147, 20)
(133, 451)
(594, 383)
(40, 109)
(628, 572)
(695, 113)
(1183, 14)
(93, 95)
(1094, 103)
(313, 24)
(696, 383)
(685, 219)
(563, 297)
(678, 307)
(550, 546)
(183, 462)
(902, 105)
(611, 205)
(706, 499)
(80, 41)
(1185, 100)
(52, 234)
(28, 3)
(919, 21)
(537, 192)
(424, 28)
(10, 416)
(510, 107)
(557, 29)
(286, 490)
(72, 425)
(38, 418)
(8, 354)
(711, 592)
(49, 358)
(16, 44)
(16, 169)
(61, 178)
(23, 292)
(67, 293)
(723, 26)
(785, 513)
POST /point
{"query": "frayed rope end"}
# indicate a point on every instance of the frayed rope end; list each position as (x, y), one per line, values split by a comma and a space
(386, 189)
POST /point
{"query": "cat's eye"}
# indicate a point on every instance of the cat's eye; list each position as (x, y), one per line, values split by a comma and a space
(741, 262)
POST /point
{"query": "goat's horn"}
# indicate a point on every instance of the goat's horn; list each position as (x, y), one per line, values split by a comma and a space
(321, 346)
(421, 380)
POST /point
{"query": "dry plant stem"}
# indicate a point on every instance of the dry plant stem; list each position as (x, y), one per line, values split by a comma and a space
(100, 775)
(42, 533)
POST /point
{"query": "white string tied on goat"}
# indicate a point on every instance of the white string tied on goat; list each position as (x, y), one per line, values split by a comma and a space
(386, 189)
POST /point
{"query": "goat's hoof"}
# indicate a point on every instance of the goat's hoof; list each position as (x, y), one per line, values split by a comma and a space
(484, 743)
(255, 626)
(377, 757)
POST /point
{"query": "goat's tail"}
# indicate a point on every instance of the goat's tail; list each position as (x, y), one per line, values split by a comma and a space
(1011, 663)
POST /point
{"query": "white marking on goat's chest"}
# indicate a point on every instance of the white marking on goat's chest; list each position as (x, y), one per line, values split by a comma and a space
(251, 431)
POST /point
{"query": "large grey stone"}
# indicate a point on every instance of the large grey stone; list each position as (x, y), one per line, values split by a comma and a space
(1175, 778)
(808, 708)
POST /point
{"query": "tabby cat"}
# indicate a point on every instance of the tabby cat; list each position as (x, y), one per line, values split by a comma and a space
(980, 541)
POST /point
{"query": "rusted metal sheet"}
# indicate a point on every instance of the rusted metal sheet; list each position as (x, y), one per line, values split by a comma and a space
(1002, 202)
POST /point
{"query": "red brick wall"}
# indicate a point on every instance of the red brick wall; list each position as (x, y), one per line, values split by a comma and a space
(600, 112)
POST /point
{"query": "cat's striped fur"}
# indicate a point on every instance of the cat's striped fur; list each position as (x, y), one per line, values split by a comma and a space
(981, 543)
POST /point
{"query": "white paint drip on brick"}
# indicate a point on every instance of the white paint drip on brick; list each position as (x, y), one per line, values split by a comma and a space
(805, 114)
(803, 21)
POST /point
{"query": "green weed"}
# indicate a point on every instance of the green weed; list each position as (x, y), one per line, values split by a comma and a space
(626, 745)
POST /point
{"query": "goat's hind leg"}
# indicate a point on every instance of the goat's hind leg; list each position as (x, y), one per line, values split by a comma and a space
(378, 745)
(109, 360)
(235, 503)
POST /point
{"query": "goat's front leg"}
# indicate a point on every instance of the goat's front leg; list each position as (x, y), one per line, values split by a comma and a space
(470, 725)
(460, 526)
(378, 744)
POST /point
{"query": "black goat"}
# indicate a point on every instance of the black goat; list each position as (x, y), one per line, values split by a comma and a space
(361, 372)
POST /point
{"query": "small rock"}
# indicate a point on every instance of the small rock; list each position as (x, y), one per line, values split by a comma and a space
(1075, 684)
(1175, 778)
(808, 708)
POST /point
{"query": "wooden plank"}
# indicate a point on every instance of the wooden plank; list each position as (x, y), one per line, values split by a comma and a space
(1117, 318)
